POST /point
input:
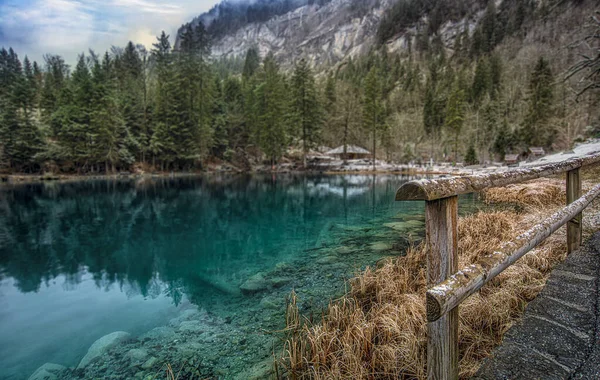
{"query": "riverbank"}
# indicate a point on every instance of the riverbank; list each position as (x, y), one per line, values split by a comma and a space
(378, 329)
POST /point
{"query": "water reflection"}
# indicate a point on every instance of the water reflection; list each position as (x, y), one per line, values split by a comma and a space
(202, 231)
(80, 260)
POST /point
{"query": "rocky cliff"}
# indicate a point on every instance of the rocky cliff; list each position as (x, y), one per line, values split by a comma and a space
(329, 33)
(324, 35)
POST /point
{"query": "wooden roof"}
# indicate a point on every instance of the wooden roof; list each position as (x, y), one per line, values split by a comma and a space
(537, 151)
(350, 149)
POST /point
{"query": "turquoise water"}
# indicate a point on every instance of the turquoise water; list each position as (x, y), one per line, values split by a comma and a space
(196, 270)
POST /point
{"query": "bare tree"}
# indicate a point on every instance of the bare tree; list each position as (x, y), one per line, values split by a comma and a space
(590, 62)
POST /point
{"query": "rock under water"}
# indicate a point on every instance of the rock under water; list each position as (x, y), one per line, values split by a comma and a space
(101, 346)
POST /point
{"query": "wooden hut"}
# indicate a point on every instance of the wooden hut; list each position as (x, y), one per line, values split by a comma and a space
(511, 159)
(536, 152)
(353, 152)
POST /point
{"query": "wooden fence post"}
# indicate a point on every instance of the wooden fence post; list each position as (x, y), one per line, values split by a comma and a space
(442, 261)
(573, 226)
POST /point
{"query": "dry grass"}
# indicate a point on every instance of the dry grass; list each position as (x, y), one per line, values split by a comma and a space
(540, 193)
(378, 330)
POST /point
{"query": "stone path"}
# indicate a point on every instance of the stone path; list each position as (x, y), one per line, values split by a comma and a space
(559, 335)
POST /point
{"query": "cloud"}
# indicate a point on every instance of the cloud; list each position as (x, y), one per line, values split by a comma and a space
(69, 27)
(149, 7)
(51, 24)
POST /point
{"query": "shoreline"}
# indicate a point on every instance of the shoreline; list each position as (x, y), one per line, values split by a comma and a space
(12, 179)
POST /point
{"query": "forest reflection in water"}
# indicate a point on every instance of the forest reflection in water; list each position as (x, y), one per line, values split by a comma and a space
(193, 230)
(124, 254)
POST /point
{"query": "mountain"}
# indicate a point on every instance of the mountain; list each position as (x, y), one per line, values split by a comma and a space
(328, 31)
(324, 35)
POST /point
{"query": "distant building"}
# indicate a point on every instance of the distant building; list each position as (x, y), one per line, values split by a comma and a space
(511, 159)
(323, 149)
(536, 152)
(353, 152)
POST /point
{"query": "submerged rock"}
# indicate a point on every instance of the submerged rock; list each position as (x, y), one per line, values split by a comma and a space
(262, 370)
(137, 355)
(190, 326)
(415, 223)
(278, 282)
(398, 226)
(418, 217)
(189, 314)
(344, 250)
(270, 302)
(48, 371)
(283, 267)
(102, 345)
(148, 364)
(352, 228)
(254, 284)
(380, 247)
(406, 225)
(327, 260)
(163, 332)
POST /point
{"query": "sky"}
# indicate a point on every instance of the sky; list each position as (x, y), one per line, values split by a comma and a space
(70, 27)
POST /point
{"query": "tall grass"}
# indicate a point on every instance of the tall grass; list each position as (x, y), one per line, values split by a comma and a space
(378, 330)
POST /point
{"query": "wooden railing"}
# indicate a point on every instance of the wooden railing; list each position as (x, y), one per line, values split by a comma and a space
(447, 285)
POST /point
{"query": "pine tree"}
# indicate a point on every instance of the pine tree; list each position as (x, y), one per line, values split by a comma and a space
(55, 80)
(269, 107)
(489, 124)
(489, 27)
(455, 116)
(193, 97)
(329, 101)
(373, 111)
(77, 134)
(502, 141)
(251, 64)
(489, 32)
(162, 145)
(110, 148)
(11, 81)
(330, 95)
(434, 107)
(305, 108)
(219, 121)
(130, 73)
(471, 156)
(481, 81)
(495, 75)
(238, 133)
(349, 116)
(536, 131)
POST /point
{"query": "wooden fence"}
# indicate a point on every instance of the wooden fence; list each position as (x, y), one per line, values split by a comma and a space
(447, 285)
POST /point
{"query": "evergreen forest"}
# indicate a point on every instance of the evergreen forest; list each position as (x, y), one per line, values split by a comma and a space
(174, 107)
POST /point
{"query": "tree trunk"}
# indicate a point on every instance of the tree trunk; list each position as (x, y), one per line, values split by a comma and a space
(346, 139)
(456, 148)
(303, 145)
(374, 149)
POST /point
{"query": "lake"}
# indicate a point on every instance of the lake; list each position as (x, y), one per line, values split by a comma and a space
(194, 271)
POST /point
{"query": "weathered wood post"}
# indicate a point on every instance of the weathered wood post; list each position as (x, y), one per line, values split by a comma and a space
(573, 226)
(441, 218)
